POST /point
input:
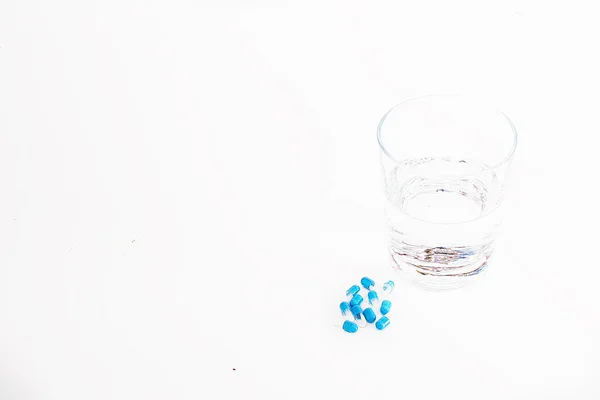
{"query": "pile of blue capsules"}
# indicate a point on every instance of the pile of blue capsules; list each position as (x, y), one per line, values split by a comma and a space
(355, 317)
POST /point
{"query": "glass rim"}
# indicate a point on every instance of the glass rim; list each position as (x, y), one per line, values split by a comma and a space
(405, 102)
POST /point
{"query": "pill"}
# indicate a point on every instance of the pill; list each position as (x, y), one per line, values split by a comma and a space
(350, 327)
(356, 300)
(373, 298)
(388, 287)
(369, 315)
(367, 282)
(358, 317)
(352, 291)
(345, 309)
(382, 323)
(386, 306)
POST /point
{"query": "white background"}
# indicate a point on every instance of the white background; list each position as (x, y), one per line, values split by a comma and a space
(188, 187)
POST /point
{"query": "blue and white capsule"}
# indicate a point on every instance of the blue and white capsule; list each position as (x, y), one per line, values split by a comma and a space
(373, 299)
(346, 311)
(358, 317)
(354, 289)
(382, 323)
(350, 327)
(367, 282)
(369, 315)
(388, 287)
(385, 308)
(356, 300)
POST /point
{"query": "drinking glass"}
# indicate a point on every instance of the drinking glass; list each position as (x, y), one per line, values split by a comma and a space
(445, 160)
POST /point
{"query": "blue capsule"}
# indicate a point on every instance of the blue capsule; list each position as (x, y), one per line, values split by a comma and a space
(350, 327)
(369, 315)
(367, 282)
(388, 287)
(345, 309)
(386, 306)
(356, 300)
(360, 321)
(373, 298)
(382, 323)
(353, 290)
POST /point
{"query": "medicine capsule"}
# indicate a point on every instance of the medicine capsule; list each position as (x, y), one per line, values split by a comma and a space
(382, 323)
(350, 327)
(386, 306)
(369, 315)
(388, 287)
(356, 300)
(352, 291)
(345, 309)
(367, 282)
(373, 298)
(358, 317)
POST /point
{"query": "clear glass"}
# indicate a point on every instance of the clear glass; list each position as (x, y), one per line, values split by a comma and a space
(445, 160)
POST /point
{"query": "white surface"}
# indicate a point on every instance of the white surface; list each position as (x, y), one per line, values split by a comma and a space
(188, 188)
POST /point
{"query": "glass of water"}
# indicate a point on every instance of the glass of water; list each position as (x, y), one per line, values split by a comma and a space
(445, 160)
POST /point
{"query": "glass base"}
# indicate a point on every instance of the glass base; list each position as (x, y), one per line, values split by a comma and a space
(436, 276)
